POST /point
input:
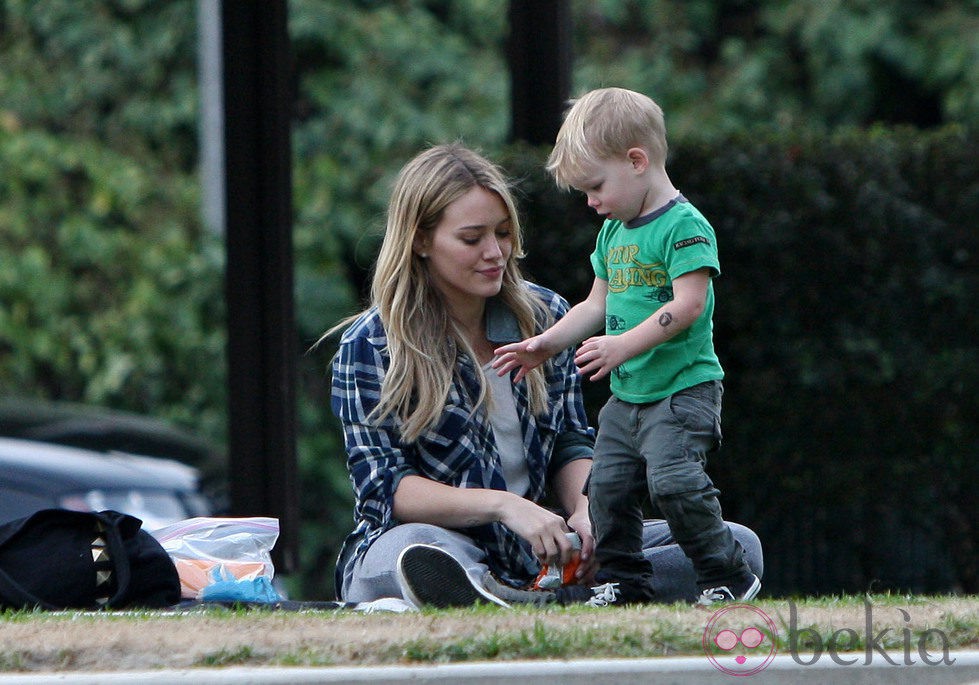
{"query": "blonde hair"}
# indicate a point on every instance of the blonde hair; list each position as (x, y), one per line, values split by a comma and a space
(422, 336)
(602, 124)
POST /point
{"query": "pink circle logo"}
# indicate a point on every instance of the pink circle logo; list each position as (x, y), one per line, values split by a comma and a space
(740, 640)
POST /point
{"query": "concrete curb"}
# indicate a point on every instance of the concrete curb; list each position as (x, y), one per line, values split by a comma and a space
(679, 670)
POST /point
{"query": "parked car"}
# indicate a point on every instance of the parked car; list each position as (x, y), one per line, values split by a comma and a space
(38, 475)
(108, 431)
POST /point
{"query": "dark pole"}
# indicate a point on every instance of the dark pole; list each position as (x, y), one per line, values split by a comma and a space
(539, 55)
(259, 271)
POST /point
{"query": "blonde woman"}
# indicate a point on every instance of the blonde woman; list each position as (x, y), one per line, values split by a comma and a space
(448, 461)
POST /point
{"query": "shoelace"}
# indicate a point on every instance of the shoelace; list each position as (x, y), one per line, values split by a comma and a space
(604, 595)
(715, 594)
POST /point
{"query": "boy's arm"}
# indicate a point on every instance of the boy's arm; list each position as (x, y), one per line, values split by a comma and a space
(601, 354)
(568, 484)
(582, 320)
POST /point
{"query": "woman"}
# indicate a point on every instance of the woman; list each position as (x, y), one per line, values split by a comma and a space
(448, 461)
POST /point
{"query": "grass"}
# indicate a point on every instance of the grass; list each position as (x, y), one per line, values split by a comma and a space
(543, 642)
(219, 637)
(837, 623)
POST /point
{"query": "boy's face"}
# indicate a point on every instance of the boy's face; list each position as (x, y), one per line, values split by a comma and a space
(616, 188)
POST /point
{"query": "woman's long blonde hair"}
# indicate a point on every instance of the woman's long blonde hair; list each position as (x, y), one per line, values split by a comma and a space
(423, 339)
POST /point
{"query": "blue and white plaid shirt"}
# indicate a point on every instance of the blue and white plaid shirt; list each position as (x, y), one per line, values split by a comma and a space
(459, 450)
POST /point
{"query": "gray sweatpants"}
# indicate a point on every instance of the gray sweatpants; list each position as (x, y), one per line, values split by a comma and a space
(375, 574)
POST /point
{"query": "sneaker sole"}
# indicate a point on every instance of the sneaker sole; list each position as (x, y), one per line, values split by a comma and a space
(430, 576)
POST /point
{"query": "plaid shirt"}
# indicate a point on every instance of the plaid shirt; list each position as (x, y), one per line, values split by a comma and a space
(459, 450)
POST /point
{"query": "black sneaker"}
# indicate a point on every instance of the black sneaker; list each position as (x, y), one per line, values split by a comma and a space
(430, 576)
(513, 595)
(619, 593)
(745, 590)
(603, 594)
(596, 596)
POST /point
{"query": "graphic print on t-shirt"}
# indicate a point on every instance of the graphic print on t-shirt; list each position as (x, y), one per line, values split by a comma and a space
(625, 271)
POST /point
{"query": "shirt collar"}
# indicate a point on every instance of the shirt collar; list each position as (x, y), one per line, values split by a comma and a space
(501, 323)
(656, 213)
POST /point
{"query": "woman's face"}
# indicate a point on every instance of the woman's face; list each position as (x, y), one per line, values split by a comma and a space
(469, 248)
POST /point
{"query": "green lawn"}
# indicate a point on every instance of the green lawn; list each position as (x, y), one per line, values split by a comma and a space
(848, 628)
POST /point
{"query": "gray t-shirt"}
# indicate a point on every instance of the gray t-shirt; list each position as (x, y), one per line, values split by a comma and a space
(509, 435)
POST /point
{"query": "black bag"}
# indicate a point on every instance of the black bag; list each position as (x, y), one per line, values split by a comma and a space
(61, 559)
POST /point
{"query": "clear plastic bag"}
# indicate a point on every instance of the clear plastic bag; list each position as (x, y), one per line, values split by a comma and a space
(223, 559)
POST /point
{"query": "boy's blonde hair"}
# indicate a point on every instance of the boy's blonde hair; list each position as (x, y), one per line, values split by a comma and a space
(603, 124)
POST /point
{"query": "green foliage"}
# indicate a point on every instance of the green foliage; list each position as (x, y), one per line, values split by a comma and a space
(111, 293)
(375, 85)
(120, 71)
(727, 66)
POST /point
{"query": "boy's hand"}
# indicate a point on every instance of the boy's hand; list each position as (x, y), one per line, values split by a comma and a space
(600, 355)
(525, 356)
(581, 524)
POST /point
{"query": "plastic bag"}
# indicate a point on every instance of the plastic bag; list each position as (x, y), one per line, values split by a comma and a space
(223, 559)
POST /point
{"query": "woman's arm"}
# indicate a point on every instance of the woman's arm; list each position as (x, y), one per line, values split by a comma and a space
(376, 459)
(422, 500)
(568, 484)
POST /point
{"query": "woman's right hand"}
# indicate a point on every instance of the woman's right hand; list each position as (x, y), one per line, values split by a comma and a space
(421, 500)
(544, 530)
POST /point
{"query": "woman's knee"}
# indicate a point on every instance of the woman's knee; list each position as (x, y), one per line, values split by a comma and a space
(375, 574)
(752, 547)
(415, 533)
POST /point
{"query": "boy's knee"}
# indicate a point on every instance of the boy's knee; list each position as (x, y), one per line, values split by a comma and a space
(690, 511)
(613, 474)
(688, 479)
(609, 491)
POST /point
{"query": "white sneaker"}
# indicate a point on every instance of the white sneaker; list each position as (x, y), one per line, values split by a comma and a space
(392, 604)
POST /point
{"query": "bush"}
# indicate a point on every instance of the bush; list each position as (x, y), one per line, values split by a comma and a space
(111, 292)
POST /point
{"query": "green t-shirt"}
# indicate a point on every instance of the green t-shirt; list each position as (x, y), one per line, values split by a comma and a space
(639, 262)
